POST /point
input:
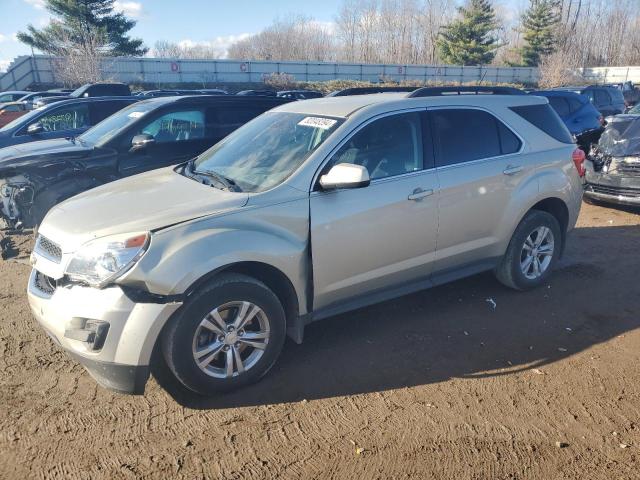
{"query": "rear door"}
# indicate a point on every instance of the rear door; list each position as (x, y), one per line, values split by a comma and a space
(370, 239)
(478, 168)
(179, 134)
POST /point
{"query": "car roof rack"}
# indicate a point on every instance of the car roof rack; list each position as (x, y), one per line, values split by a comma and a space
(464, 90)
(368, 90)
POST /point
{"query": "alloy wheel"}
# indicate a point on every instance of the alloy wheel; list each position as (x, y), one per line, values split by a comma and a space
(537, 253)
(231, 339)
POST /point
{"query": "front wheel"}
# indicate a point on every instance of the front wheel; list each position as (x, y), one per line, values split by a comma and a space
(227, 335)
(532, 253)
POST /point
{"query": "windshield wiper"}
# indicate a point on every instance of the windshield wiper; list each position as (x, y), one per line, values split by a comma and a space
(227, 183)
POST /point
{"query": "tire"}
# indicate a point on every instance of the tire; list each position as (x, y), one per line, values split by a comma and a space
(511, 271)
(196, 329)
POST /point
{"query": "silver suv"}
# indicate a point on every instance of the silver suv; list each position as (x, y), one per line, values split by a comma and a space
(311, 209)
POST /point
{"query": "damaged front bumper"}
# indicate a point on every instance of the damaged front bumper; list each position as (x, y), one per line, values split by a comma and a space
(617, 182)
(105, 330)
(16, 198)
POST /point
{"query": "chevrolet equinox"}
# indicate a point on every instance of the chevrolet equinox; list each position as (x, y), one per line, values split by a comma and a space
(309, 210)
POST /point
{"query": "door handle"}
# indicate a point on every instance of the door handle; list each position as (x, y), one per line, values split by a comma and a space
(418, 194)
(512, 169)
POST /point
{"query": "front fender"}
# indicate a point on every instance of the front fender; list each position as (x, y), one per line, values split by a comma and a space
(182, 255)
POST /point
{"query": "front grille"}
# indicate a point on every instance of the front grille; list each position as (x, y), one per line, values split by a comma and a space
(48, 249)
(45, 284)
(609, 190)
(628, 168)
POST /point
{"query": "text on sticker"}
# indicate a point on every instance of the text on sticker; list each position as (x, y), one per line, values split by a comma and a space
(317, 122)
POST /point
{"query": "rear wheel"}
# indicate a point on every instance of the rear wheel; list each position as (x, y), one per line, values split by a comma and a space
(227, 336)
(532, 253)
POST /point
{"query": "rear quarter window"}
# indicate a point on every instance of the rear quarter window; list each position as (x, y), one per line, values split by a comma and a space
(546, 119)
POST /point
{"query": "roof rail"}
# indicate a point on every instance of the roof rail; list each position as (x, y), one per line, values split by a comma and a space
(368, 90)
(464, 90)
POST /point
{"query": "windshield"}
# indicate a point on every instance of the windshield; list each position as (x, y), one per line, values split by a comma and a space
(104, 131)
(264, 152)
(621, 137)
(635, 110)
(23, 120)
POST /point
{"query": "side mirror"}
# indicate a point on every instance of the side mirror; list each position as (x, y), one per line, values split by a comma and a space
(345, 175)
(140, 142)
(35, 128)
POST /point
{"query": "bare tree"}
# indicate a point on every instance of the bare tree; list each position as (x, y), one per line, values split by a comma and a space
(82, 63)
(292, 38)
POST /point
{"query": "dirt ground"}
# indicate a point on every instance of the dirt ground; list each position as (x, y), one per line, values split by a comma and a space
(439, 384)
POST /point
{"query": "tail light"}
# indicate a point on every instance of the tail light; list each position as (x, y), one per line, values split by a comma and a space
(578, 156)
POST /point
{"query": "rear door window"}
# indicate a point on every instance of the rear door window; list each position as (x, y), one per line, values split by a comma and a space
(102, 110)
(224, 119)
(463, 135)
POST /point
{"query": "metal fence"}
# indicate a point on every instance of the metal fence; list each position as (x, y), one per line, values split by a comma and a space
(26, 71)
(610, 74)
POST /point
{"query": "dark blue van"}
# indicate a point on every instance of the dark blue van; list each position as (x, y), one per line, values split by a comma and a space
(577, 112)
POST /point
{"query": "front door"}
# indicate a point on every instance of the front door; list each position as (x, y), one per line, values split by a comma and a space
(61, 122)
(370, 239)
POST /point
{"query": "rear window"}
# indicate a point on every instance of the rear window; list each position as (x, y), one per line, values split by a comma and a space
(544, 118)
(574, 104)
(560, 105)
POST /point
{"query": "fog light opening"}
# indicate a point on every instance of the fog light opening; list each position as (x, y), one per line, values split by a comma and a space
(89, 331)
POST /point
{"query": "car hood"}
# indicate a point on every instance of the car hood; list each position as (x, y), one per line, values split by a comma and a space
(144, 202)
(37, 153)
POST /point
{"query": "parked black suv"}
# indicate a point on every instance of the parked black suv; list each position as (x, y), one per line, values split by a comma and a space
(102, 90)
(65, 118)
(608, 100)
(147, 135)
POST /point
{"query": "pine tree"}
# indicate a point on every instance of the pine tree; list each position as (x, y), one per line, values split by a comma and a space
(77, 24)
(470, 39)
(540, 30)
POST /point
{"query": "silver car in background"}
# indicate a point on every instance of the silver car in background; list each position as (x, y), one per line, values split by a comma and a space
(312, 209)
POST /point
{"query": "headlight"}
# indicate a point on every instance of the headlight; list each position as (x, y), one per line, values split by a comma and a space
(101, 261)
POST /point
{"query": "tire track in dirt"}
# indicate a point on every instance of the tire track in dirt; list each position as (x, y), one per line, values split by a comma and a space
(433, 385)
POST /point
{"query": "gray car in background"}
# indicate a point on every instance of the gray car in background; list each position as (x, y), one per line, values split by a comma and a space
(312, 209)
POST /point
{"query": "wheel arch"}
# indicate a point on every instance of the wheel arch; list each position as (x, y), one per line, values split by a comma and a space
(274, 279)
(559, 210)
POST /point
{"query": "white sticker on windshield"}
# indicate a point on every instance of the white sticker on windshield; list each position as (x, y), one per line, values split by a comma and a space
(318, 122)
(136, 114)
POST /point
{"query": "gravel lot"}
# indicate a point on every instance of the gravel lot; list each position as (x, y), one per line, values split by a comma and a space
(438, 384)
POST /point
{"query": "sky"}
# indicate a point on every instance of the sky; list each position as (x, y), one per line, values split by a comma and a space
(216, 22)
